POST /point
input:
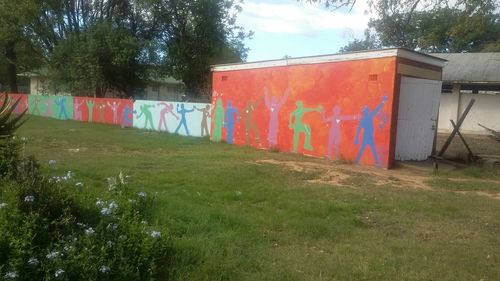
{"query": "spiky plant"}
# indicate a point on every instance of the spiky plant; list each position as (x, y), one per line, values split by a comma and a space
(8, 122)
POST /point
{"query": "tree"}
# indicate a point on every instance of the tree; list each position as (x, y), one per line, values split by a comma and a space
(99, 58)
(429, 25)
(14, 15)
(198, 34)
(370, 42)
(466, 27)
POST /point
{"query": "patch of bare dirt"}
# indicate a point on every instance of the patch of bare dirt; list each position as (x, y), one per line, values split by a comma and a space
(348, 175)
(76, 150)
(343, 174)
(495, 196)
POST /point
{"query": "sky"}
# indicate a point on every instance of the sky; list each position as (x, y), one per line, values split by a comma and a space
(297, 29)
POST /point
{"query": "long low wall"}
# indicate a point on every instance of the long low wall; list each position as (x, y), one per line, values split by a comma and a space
(190, 119)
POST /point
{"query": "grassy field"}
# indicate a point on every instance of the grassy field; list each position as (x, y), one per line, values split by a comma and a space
(236, 213)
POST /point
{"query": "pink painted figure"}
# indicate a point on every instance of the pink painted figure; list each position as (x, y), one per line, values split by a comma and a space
(274, 105)
(334, 133)
(48, 107)
(114, 107)
(77, 111)
(167, 108)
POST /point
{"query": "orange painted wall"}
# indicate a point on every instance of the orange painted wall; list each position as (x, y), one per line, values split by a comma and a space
(350, 85)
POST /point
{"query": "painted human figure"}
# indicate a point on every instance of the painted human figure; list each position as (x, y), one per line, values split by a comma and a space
(48, 107)
(90, 107)
(232, 116)
(35, 110)
(102, 110)
(299, 127)
(61, 102)
(167, 108)
(182, 111)
(147, 115)
(249, 124)
(366, 124)
(77, 111)
(114, 107)
(274, 105)
(335, 121)
(127, 120)
(218, 120)
(204, 120)
(19, 104)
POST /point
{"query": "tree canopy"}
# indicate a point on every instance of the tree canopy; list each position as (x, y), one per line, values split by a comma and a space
(91, 46)
(429, 25)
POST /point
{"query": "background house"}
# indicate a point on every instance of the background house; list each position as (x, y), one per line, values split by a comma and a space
(467, 76)
(160, 89)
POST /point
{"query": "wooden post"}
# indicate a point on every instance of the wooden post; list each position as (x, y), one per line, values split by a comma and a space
(455, 130)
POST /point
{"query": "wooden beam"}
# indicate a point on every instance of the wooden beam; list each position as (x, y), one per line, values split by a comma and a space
(455, 130)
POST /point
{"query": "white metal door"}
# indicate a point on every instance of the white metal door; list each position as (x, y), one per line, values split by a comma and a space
(417, 118)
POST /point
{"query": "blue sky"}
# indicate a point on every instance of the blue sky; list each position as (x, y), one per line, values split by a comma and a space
(288, 27)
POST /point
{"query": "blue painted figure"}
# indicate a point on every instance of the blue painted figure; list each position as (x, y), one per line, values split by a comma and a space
(366, 123)
(183, 112)
(232, 116)
(61, 102)
(127, 119)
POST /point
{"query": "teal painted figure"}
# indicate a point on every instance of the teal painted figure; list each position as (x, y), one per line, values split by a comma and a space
(147, 115)
(366, 124)
(299, 127)
(61, 103)
(90, 107)
(218, 118)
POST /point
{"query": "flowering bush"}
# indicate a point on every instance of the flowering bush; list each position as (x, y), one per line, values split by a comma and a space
(50, 232)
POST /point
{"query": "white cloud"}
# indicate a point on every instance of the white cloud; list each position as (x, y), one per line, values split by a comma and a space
(301, 18)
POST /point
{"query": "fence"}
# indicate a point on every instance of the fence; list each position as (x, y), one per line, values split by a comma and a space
(188, 119)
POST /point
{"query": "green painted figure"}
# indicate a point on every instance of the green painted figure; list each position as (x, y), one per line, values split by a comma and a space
(147, 114)
(90, 106)
(218, 121)
(299, 127)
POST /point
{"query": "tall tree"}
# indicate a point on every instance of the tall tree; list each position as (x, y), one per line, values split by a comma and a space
(429, 25)
(98, 59)
(14, 16)
(198, 34)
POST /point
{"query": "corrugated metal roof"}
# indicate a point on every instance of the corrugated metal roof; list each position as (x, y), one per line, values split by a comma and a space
(471, 67)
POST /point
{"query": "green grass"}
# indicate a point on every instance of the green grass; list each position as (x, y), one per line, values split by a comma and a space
(233, 219)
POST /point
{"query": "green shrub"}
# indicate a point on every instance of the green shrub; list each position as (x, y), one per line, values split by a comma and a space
(48, 232)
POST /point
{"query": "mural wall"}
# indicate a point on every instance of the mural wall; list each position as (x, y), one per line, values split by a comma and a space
(103, 110)
(192, 119)
(341, 110)
(187, 119)
(59, 107)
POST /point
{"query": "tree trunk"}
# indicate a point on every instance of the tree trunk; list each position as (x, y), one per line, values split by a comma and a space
(10, 54)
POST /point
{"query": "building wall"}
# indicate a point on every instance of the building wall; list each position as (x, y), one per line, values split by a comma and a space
(280, 107)
(153, 91)
(163, 92)
(486, 111)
